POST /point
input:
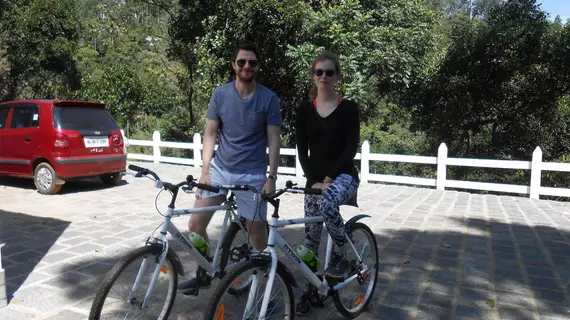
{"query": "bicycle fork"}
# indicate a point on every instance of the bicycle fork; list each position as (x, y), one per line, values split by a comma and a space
(269, 286)
(154, 278)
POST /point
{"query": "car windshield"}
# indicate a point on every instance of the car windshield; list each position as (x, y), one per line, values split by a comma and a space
(82, 118)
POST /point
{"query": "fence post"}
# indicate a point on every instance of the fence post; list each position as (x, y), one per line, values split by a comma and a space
(298, 168)
(197, 150)
(156, 146)
(365, 162)
(125, 142)
(535, 173)
(441, 166)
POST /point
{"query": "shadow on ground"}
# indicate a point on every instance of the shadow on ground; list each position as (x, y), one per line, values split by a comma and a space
(27, 240)
(70, 187)
(496, 270)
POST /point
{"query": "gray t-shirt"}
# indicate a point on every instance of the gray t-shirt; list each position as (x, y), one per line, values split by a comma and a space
(243, 127)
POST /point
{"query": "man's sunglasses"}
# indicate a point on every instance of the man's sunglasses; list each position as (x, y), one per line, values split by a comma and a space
(328, 72)
(252, 63)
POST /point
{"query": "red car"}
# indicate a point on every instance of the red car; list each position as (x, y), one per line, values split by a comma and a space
(53, 141)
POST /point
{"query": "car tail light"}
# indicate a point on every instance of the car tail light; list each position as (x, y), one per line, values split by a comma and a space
(61, 141)
(117, 142)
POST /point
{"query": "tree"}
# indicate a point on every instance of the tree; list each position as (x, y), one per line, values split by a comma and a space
(482, 7)
(39, 42)
(496, 93)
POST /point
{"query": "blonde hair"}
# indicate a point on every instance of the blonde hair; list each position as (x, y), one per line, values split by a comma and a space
(325, 55)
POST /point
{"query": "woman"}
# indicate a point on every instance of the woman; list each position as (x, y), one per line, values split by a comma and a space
(329, 127)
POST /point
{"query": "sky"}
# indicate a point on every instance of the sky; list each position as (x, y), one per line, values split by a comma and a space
(556, 7)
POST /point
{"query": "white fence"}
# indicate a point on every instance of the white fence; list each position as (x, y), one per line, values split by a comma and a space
(534, 190)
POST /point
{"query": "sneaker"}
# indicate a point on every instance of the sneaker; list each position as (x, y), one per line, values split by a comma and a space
(303, 307)
(191, 286)
(337, 267)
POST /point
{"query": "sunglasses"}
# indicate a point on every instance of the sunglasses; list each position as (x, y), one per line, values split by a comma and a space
(252, 63)
(328, 72)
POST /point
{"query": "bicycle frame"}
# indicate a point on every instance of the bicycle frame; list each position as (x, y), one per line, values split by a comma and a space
(169, 227)
(275, 239)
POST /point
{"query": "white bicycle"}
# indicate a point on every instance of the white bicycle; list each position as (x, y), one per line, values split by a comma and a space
(267, 301)
(165, 264)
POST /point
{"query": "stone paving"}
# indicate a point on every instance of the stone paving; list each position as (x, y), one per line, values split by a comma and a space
(444, 254)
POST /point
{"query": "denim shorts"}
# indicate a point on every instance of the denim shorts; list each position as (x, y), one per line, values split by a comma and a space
(249, 204)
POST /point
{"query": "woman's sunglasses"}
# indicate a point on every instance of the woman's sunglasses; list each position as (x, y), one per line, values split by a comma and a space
(241, 62)
(328, 72)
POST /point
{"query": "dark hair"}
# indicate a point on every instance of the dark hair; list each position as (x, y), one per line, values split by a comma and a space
(248, 46)
(325, 55)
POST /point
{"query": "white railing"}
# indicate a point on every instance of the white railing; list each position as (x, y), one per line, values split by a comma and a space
(534, 190)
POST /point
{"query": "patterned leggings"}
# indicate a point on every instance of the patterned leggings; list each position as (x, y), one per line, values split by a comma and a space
(327, 205)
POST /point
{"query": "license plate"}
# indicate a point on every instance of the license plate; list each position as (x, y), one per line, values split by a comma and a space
(96, 142)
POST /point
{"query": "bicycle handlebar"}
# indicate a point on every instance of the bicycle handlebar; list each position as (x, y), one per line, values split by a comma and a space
(290, 187)
(190, 181)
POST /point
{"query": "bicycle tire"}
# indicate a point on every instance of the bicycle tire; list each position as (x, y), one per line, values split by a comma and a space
(118, 268)
(228, 280)
(338, 304)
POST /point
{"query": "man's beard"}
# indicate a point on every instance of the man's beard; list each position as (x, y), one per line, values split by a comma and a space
(246, 79)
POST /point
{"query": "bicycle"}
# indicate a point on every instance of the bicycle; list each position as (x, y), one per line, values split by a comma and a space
(166, 259)
(263, 265)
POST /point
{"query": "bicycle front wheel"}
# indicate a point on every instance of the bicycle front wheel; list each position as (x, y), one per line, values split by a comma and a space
(225, 304)
(352, 300)
(118, 298)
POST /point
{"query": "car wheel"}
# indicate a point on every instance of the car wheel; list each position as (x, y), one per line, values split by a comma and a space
(114, 179)
(44, 179)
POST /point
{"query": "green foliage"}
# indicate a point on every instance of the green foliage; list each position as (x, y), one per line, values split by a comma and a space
(496, 93)
(39, 41)
(120, 88)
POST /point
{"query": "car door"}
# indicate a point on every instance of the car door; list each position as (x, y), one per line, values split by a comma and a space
(22, 138)
(4, 112)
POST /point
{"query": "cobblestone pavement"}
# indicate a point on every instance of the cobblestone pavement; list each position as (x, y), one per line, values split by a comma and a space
(444, 254)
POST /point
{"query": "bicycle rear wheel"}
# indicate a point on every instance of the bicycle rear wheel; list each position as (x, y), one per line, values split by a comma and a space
(129, 306)
(352, 300)
(280, 306)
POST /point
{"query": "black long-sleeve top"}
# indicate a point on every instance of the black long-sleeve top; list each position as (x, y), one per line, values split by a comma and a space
(333, 141)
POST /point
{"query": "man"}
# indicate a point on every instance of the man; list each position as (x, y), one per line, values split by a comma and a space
(248, 118)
